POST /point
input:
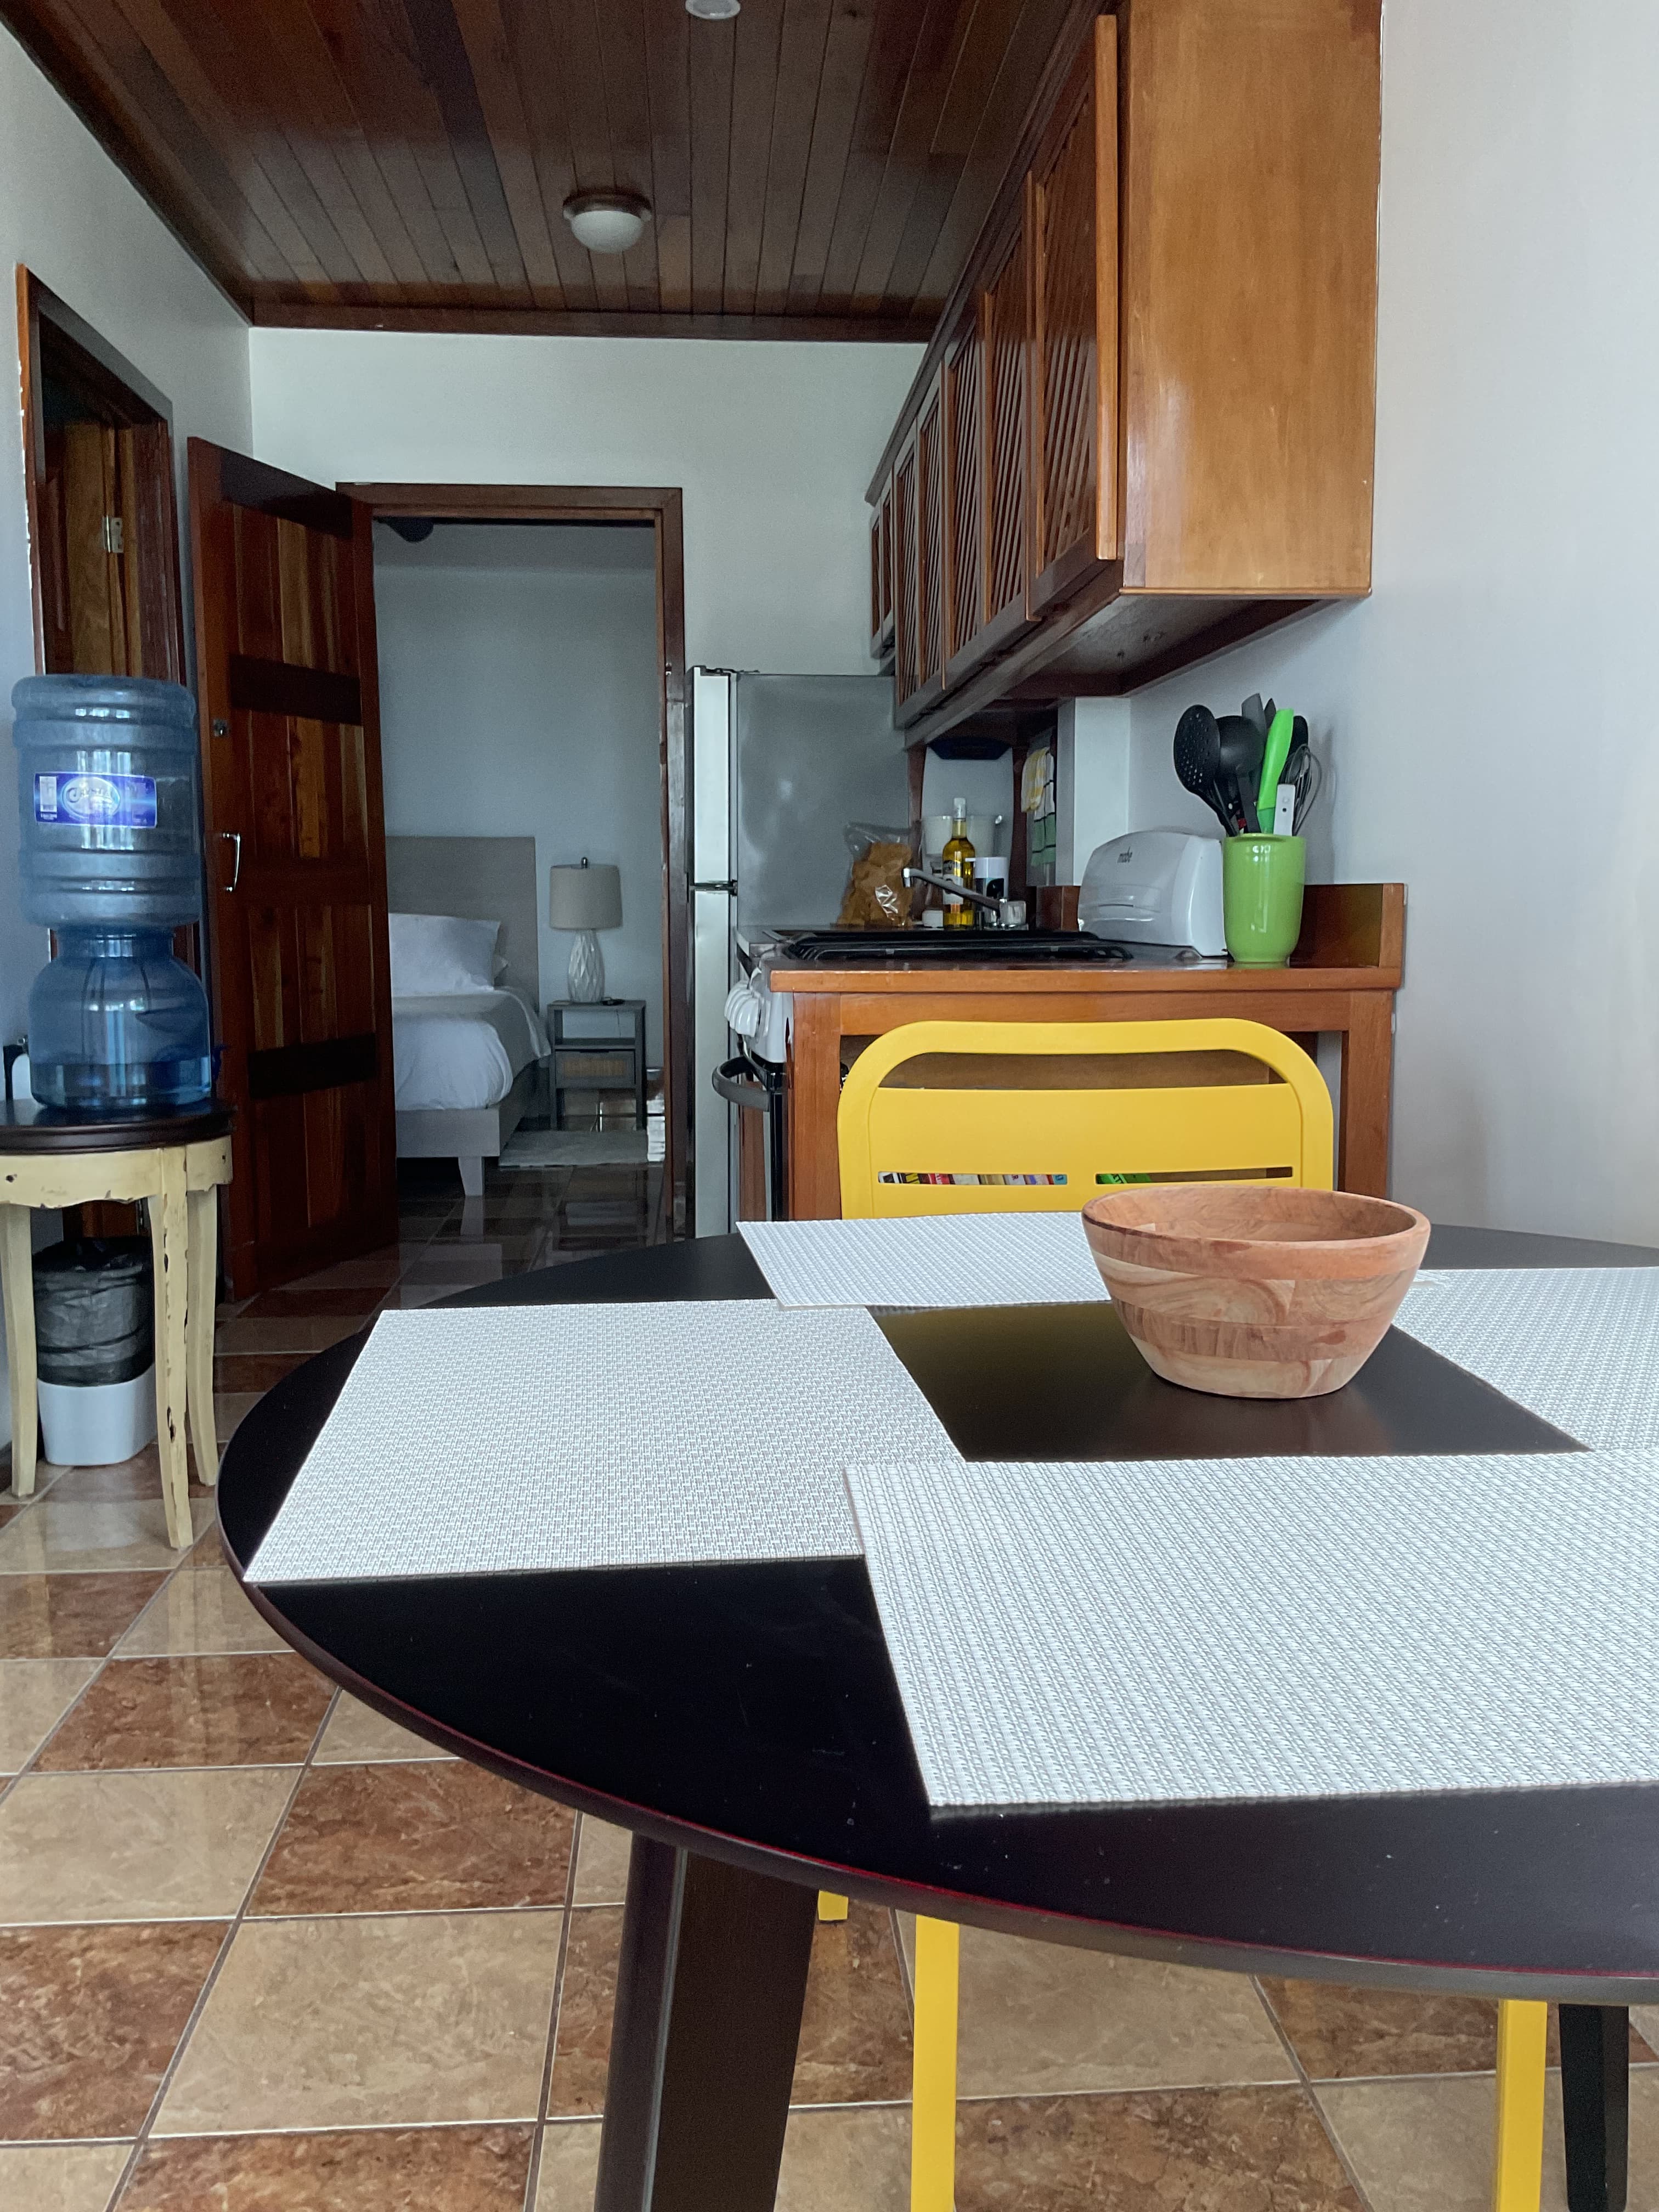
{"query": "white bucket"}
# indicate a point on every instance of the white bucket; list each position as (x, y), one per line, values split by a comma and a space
(97, 1423)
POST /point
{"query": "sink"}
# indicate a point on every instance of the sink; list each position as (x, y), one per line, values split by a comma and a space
(948, 948)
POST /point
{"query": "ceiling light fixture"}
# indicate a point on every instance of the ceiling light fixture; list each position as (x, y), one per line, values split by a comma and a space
(607, 223)
(713, 11)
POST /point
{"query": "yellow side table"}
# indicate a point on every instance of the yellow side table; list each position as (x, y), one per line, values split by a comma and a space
(176, 1163)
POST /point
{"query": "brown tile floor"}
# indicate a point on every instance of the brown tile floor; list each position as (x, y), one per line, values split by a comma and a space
(262, 1951)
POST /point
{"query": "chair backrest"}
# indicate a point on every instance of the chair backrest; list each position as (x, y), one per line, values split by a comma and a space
(1262, 1109)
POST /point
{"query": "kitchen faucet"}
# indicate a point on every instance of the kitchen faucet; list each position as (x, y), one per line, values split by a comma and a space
(1005, 913)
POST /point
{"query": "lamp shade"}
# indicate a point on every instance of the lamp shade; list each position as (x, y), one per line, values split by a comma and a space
(585, 897)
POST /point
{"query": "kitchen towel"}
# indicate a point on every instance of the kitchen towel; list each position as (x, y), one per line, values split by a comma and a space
(1578, 1347)
(510, 1437)
(1206, 1629)
(955, 1260)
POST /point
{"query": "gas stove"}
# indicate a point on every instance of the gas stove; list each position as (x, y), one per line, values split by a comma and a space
(946, 948)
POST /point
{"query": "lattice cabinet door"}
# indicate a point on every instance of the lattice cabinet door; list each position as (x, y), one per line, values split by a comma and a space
(1004, 312)
(906, 657)
(964, 483)
(1073, 210)
(887, 567)
(881, 584)
(933, 563)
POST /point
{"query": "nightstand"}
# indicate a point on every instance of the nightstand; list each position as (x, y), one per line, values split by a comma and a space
(599, 1044)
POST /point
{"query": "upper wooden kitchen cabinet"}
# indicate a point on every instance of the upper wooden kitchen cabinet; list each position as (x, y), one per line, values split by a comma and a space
(1071, 221)
(1153, 389)
(881, 576)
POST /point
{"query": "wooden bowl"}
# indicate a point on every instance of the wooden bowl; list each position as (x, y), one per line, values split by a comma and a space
(1255, 1290)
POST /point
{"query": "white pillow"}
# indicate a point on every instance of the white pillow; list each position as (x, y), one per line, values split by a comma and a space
(434, 955)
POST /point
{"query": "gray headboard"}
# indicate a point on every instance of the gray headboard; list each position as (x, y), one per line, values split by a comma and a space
(481, 879)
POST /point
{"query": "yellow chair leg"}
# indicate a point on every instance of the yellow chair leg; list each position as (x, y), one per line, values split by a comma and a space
(1518, 2166)
(831, 1907)
(933, 2078)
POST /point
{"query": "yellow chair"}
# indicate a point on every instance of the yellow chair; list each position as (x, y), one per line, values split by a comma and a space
(1517, 2178)
(1148, 1101)
(1159, 1101)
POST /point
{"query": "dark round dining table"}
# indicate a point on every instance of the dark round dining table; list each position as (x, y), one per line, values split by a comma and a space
(744, 1722)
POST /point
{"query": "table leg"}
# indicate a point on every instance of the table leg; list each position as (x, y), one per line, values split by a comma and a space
(201, 1295)
(17, 1270)
(703, 2051)
(1595, 2104)
(169, 1237)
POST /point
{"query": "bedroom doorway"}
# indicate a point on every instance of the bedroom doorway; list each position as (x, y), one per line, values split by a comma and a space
(532, 686)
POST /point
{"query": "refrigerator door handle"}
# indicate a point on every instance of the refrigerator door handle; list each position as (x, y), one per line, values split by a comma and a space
(729, 887)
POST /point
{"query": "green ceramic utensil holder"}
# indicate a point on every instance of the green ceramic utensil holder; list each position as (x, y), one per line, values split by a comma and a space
(1262, 881)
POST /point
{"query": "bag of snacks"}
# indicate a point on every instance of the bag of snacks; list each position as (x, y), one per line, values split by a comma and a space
(876, 897)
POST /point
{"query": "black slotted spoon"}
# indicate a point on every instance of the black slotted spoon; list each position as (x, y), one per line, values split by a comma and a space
(1198, 761)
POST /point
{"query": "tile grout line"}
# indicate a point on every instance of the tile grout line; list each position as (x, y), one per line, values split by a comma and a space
(533, 2176)
(558, 2121)
(1326, 2122)
(140, 2140)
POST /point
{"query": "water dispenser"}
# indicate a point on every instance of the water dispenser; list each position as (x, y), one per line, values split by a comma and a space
(109, 800)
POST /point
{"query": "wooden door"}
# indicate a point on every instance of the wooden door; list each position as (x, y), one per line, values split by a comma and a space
(1074, 288)
(964, 481)
(289, 703)
(109, 556)
(1008, 439)
(933, 537)
(886, 559)
(907, 653)
(877, 594)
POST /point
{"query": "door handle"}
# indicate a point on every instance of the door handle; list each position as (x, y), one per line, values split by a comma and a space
(235, 838)
(730, 887)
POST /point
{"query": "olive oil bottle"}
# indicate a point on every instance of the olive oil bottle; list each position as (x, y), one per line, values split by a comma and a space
(958, 861)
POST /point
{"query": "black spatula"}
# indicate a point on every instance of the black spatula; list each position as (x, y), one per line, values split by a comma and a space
(1242, 747)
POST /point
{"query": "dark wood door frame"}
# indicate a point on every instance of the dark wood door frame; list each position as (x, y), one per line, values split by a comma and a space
(660, 506)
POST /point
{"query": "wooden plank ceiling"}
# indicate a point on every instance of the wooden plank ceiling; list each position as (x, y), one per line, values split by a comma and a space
(817, 168)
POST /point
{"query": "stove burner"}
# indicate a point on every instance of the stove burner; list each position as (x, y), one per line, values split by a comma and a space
(955, 948)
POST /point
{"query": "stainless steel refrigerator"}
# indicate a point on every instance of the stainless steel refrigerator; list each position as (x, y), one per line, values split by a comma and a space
(781, 765)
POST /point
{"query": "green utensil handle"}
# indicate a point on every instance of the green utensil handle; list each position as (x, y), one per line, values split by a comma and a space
(1276, 752)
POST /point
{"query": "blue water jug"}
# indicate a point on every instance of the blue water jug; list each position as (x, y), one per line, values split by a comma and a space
(109, 798)
(117, 1025)
(108, 790)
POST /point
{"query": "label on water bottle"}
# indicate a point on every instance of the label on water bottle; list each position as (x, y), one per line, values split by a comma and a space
(107, 802)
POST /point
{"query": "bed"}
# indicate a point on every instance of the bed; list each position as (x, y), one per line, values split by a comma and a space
(466, 1062)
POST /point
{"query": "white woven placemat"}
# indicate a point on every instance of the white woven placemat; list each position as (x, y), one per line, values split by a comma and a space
(957, 1260)
(511, 1438)
(1269, 1628)
(1578, 1347)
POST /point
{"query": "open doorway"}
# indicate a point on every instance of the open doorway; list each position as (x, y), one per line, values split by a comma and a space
(531, 675)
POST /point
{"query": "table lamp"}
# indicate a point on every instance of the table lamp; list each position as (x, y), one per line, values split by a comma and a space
(585, 899)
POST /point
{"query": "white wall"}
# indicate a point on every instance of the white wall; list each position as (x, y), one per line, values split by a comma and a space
(1490, 712)
(1093, 757)
(67, 212)
(519, 697)
(772, 445)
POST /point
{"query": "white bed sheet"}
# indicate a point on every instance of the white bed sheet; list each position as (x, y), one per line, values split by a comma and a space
(462, 1050)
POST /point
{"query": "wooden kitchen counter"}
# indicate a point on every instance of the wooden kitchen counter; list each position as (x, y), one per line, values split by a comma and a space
(1342, 978)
